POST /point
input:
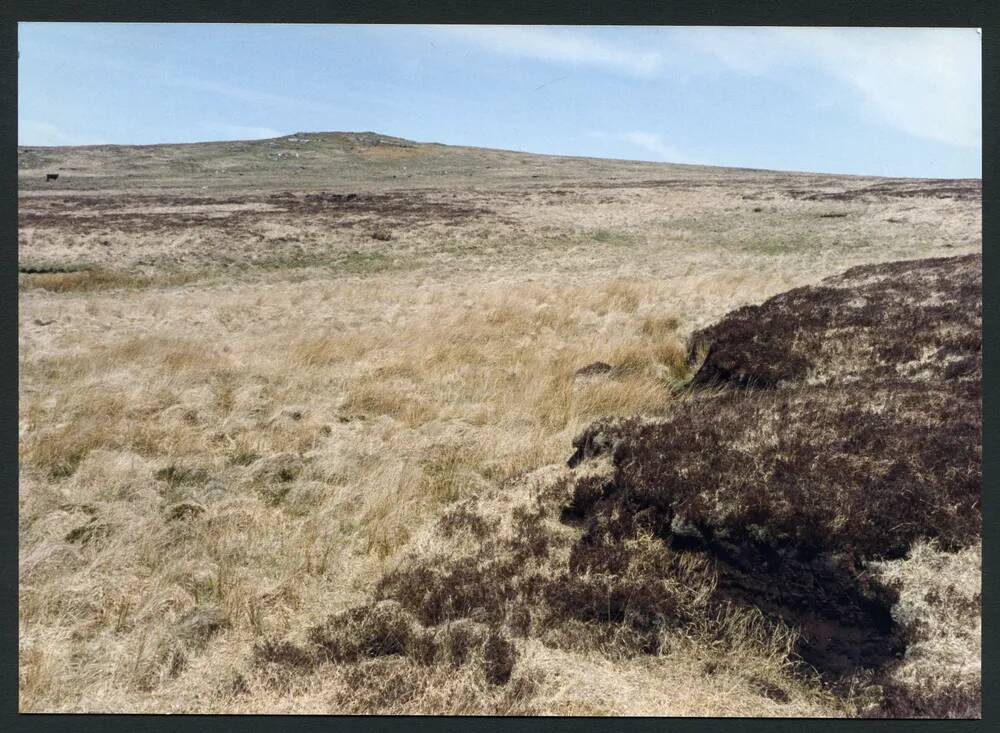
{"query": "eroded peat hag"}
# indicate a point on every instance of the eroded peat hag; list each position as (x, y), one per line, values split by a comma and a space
(873, 444)
(778, 519)
(790, 493)
(918, 320)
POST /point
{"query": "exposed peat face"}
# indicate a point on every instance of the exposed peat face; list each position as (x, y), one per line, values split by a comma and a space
(872, 440)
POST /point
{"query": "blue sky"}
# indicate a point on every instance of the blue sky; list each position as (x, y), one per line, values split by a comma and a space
(901, 102)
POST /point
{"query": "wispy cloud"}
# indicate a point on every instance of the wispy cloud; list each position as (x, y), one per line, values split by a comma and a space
(924, 82)
(650, 142)
(261, 98)
(243, 94)
(245, 132)
(654, 143)
(565, 46)
(40, 132)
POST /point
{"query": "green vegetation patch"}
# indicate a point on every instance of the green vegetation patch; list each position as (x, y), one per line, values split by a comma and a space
(614, 237)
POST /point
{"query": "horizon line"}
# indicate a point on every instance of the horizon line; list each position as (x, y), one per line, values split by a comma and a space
(500, 150)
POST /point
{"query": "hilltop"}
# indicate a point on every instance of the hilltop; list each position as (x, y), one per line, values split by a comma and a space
(305, 159)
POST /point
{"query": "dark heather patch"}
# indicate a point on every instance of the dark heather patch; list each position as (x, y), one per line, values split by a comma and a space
(620, 574)
(87, 214)
(770, 690)
(386, 630)
(819, 469)
(845, 624)
(598, 439)
(90, 532)
(382, 629)
(464, 587)
(587, 491)
(786, 493)
(918, 320)
(283, 653)
(530, 536)
(499, 657)
(461, 517)
(593, 370)
(929, 699)
(967, 189)
(773, 499)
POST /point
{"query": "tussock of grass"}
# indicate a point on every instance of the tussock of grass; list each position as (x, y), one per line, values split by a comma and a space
(376, 398)
(325, 351)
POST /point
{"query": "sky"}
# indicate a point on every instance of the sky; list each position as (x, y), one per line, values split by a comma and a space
(871, 101)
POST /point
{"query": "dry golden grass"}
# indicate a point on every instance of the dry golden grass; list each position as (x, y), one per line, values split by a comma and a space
(208, 461)
(941, 608)
(96, 279)
(364, 431)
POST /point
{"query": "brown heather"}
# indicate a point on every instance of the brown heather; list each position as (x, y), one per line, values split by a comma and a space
(918, 320)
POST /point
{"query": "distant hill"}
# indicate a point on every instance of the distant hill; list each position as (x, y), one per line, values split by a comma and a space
(311, 159)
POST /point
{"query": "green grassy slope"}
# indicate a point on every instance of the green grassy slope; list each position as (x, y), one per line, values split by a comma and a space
(306, 160)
